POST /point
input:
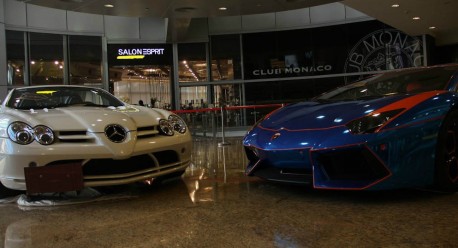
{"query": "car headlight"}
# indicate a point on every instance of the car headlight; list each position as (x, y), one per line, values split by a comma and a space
(165, 127)
(373, 122)
(177, 123)
(23, 134)
(20, 133)
(43, 135)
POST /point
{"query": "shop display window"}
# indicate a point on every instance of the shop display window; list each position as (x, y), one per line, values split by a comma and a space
(192, 62)
(15, 47)
(85, 59)
(225, 57)
(46, 58)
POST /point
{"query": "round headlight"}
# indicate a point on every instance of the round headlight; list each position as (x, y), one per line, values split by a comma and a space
(43, 135)
(20, 133)
(177, 123)
(165, 127)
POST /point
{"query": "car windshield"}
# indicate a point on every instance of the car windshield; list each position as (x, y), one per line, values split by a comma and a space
(400, 82)
(54, 97)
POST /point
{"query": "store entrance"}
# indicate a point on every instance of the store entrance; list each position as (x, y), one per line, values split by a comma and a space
(147, 85)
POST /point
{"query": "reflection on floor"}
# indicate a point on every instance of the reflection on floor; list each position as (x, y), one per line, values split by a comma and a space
(215, 205)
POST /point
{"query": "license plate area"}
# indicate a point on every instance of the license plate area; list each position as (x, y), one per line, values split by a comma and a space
(55, 178)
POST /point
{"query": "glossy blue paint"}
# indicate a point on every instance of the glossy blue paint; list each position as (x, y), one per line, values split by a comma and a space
(313, 136)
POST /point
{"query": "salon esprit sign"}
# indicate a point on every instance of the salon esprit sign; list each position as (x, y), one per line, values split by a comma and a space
(138, 53)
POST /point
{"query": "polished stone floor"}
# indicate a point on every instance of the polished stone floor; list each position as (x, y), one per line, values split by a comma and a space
(215, 205)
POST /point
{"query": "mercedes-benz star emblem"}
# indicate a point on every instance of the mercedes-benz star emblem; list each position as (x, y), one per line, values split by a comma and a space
(115, 133)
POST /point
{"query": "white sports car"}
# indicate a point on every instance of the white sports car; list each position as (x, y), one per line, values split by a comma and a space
(64, 138)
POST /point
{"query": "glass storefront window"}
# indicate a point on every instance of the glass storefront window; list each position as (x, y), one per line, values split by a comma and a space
(148, 84)
(192, 62)
(46, 59)
(225, 57)
(85, 59)
(193, 97)
(15, 56)
(141, 73)
(227, 95)
(290, 90)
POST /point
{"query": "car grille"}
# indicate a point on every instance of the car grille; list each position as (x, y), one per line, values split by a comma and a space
(96, 167)
(353, 167)
(99, 168)
(82, 136)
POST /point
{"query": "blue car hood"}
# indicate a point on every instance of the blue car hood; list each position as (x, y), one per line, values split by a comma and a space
(318, 115)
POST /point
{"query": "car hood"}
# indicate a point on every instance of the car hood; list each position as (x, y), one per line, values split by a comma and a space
(322, 115)
(92, 119)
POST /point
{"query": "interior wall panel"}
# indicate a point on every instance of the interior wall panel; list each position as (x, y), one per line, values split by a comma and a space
(2, 11)
(55, 20)
(84, 23)
(225, 24)
(327, 13)
(153, 29)
(15, 13)
(3, 73)
(293, 18)
(122, 28)
(258, 22)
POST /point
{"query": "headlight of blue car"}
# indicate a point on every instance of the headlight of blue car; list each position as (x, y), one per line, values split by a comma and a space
(373, 122)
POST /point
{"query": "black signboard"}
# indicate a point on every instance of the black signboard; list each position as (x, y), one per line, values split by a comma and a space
(347, 48)
(139, 54)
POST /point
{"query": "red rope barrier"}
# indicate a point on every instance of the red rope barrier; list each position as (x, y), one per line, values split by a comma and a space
(184, 111)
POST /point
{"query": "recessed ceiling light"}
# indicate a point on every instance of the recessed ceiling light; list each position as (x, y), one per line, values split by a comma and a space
(222, 8)
(416, 18)
(395, 5)
(109, 5)
(432, 27)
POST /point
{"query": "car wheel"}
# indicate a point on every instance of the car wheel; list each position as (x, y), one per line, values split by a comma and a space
(446, 168)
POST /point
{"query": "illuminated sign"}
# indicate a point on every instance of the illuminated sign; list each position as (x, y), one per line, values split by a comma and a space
(138, 53)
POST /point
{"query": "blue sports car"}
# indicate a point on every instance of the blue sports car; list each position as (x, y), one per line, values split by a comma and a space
(394, 130)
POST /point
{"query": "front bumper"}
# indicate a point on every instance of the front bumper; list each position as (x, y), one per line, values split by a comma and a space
(350, 167)
(91, 164)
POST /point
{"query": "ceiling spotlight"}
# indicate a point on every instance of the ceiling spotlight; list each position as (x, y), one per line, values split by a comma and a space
(222, 8)
(109, 5)
(416, 18)
(395, 5)
(432, 27)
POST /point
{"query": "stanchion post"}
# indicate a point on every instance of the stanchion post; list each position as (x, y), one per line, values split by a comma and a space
(223, 143)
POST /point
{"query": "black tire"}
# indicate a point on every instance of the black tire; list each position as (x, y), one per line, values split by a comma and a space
(446, 167)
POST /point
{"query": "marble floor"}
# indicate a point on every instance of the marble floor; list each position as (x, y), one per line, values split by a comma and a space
(215, 205)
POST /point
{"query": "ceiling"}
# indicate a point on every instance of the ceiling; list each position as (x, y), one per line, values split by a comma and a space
(437, 13)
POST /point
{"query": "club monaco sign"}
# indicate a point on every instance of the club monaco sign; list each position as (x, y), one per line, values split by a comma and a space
(292, 70)
(385, 49)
